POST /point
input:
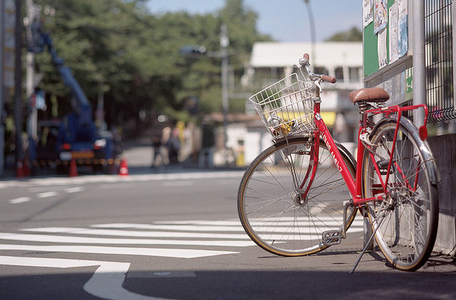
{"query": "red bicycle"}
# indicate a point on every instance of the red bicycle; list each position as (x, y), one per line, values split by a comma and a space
(300, 195)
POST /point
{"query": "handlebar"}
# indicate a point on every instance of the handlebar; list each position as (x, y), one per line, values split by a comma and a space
(304, 62)
(328, 78)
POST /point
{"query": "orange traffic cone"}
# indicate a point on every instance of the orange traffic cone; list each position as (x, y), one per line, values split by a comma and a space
(73, 168)
(123, 169)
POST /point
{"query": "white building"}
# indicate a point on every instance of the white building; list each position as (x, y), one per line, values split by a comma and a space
(271, 61)
(344, 60)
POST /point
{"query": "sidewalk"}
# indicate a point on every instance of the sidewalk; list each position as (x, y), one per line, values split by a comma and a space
(139, 160)
(138, 155)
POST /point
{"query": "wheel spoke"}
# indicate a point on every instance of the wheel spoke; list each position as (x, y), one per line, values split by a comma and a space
(280, 216)
(405, 236)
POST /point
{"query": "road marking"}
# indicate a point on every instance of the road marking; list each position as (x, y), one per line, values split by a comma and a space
(58, 263)
(165, 234)
(274, 234)
(109, 277)
(201, 222)
(177, 183)
(278, 226)
(111, 241)
(237, 228)
(73, 190)
(278, 221)
(46, 195)
(56, 181)
(159, 252)
(19, 200)
(105, 283)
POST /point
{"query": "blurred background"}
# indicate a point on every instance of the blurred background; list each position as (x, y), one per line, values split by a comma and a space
(135, 71)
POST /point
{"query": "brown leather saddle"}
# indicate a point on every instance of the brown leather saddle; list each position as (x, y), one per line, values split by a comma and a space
(375, 94)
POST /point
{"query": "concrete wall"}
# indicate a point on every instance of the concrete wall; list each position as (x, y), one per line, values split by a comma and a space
(444, 150)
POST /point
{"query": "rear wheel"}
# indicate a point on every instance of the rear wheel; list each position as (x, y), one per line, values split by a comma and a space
(406, 221)
(275, 209)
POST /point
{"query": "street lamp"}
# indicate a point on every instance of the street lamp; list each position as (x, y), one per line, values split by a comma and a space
(192, 51)
(195, 51)
(312, 28)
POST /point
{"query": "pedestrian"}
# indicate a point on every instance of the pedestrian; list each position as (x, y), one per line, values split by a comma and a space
(156, 148)
(174, 146)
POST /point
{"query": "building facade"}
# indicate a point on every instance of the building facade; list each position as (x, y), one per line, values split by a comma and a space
(271, 61)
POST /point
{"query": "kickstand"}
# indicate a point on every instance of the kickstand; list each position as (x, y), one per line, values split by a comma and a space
(366, 246)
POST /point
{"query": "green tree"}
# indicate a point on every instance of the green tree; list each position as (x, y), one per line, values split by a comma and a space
(133, 55)
(93, 39)
(351, 35)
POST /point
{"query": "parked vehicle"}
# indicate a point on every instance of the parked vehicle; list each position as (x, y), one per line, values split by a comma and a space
(77, 137)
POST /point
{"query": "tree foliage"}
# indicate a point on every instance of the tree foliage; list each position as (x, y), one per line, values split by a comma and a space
(351, 35)
(119, 48)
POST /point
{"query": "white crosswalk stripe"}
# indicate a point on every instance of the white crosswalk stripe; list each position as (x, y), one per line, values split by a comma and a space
(150, 240)
(118, 241)
(200, 238)
(170, 239)
(135, 233)
(161, 252)
(134, 239)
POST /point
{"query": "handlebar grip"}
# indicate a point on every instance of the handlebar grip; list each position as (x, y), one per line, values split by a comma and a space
(328, 78)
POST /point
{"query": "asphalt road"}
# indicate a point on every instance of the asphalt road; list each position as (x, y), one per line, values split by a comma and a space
(173, 234)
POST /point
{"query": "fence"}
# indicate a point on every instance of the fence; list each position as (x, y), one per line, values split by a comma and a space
(440, 93)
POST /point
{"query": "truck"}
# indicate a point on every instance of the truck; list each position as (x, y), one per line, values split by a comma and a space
(77, 138)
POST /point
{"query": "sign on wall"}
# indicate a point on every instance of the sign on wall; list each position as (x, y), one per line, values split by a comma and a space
(385, 33)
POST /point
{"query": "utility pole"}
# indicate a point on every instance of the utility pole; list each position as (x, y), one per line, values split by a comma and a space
(419, 68)
(224, 42)
(18, 86)
(223, 54)
(2, 92)
(30, 74)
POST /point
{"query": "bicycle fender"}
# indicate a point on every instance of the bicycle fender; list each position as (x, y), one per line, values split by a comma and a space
(341, 148)
(347, 153)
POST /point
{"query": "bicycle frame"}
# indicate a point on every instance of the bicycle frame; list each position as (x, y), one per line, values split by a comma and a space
(355, 184)
(289, 198)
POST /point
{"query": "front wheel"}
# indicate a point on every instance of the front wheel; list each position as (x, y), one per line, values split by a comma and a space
(278, 212)
(405, 222)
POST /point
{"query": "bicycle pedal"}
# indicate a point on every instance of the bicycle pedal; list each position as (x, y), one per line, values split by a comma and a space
(383, 166)
(332, 237)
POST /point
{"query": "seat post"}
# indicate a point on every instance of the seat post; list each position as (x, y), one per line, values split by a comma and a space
(362, 107)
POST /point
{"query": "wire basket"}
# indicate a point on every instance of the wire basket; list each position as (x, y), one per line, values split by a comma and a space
(286, 107)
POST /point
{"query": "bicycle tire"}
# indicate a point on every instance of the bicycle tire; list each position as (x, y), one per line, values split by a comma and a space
(268, 207)
(405, 224)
